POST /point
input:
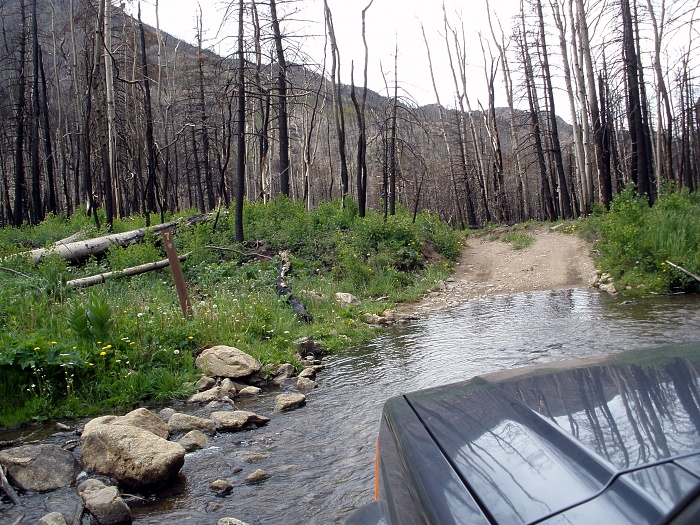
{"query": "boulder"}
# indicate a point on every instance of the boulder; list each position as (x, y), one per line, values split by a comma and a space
(375, 319)
(230, 521)
(39, 468)
(237, 420)
(194, 440)
(104, 503)
(289, 401)
(133, 456)
(257, 476)
(54, 518)
(310, 372)
(139, 418)
(227, 361)
(346, 299)
(183, 423)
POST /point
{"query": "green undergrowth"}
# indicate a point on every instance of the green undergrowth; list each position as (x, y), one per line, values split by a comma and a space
(637, 242)
(71, 352)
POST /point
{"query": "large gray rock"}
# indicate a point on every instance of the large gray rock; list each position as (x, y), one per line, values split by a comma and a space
(104, 503)
(139, 418)
(183, 423)
(53, 518)
(227, 361)
(134, 457)
(39, 468)
(289, 401)
(230, 421)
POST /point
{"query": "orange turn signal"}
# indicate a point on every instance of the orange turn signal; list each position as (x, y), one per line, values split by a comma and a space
(376, 472)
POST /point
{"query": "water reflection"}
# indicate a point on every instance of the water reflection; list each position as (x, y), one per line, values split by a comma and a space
(321, 457)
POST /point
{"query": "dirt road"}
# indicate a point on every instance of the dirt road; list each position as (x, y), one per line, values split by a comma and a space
(487, 267)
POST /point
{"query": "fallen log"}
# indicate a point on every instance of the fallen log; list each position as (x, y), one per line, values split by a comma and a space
(7, 488)
(134, 270)
(79, 250)
(690, 274)
(284, 290)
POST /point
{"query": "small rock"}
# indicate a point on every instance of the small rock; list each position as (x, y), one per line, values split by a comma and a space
(183, 423)
(608, 287)
(309, 348)
(221, 487)
(61, 427)
(54, 518)
(205, 383)
(346, 299)
(255, 458)
(213, 394)
(237, 420)
(230, 521)
(309, 372)
(166, 414)
(228, 386)
(249, 391)
(194, 440)
(374, 319)
(227, 361)
(282, 372)
(289, 401)
(305, 384)
(257, 476)
(104, 503)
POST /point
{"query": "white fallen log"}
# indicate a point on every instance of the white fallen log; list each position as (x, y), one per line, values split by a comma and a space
(79, 250)
(134, 270)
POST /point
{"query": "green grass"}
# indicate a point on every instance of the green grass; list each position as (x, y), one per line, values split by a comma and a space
(73, 352)
(635, 241)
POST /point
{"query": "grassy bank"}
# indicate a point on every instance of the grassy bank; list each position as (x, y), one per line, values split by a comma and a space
(636, 242)
(72, 352)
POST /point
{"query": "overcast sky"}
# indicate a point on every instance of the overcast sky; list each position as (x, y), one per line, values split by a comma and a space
(390, 23)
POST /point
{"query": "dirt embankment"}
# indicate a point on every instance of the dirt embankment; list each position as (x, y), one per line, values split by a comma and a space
(488, 267)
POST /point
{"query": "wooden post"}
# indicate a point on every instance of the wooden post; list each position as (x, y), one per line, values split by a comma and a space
(176, 270)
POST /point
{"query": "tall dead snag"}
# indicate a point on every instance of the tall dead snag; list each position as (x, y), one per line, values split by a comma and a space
(362, 127)
(263, 100)
(240, 132)
(338, 113)
(443, 125)
(462, 99)
(522, 211)
(20, 177)
(283, 118)
(564, 198)
(203, 119)
(150, 191)
(36, 210)
(579, 155)
(604, 180)
(546, 202)
(640, 156)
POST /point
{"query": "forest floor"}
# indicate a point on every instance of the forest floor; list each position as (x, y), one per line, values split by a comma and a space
(489, 266)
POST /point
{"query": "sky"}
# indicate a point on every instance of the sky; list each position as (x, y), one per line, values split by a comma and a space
(391, 24)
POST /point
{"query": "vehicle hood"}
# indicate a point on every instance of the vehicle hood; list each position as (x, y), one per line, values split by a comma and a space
(531, 442)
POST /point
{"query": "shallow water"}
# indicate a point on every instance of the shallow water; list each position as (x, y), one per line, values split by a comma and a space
(321, 456)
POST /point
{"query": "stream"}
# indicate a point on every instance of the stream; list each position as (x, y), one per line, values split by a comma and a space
(321, 456)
